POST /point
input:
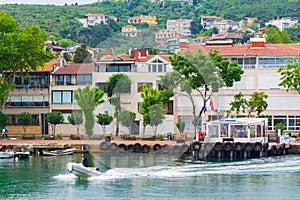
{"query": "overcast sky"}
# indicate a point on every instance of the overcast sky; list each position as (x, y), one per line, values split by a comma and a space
(45, 2)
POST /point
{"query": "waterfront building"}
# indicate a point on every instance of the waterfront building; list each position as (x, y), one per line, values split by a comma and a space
(260, 62)
(32, 95)
(53, 89)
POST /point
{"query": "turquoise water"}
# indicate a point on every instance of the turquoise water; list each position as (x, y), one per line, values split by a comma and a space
(145, 176)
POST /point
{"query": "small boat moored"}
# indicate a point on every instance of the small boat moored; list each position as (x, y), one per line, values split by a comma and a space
(59, 152)
(21, 155)
(81, 171)
(6, 154)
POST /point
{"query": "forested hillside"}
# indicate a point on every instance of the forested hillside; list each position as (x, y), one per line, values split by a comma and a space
(59, 22)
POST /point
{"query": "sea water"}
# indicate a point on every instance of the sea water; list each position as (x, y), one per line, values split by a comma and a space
(150, 176)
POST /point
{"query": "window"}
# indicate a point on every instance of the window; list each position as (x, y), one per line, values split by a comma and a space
(83, 79)
(63, 79)
(118, 68)
(140, 86)
(157, 66)
(13, 120)
(101, 85)
(65, 114)
(62, 97)
(32, 81)
(169, 105)
(27, 101)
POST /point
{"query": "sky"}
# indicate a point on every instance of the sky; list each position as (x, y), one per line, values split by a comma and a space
(46, 2)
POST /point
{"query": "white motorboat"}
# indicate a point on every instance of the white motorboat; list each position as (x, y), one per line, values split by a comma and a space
(59, 152)
(81, 171)
(6, 154)
(22, 155)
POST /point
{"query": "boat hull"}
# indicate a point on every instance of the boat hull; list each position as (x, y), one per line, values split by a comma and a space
(6, 155)
(81, 171)
(59, 152)
(22, 155)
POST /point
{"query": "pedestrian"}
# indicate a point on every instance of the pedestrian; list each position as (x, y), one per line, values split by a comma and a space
(85, 161)
(4, 133)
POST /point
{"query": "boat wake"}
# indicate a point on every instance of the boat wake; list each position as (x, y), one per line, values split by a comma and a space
(262, 166)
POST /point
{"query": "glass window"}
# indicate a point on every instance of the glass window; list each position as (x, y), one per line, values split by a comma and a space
(169, 106)
(212, 131)
(112, 68)
(56, 97)
(83, 79)
(240, 131)
(67, 97)
(124, 68)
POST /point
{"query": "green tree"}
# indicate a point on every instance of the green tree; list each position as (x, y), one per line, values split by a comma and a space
(294, 32)
(157, 115)
(116, 85)
(275, 36)
(88, 99)
(127, 118)
(76, 119)
(180, 125)
(82, 55)
(151, 97)
(290, 76)
(201, 73)
(25, 119)
(257, 103)
(3, 120)
(65, 43)
(67, 57)
(104, 119)
(196, 27)
(54, 118)
(21, 50)
(239, 104)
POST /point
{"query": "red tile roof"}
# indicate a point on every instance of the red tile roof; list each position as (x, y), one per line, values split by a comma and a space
(77, 68)
(149, 57)
(242, 49)
(49, 66)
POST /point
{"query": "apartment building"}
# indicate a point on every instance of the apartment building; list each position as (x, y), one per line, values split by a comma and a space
(182, 26)
(163, 36)
(32, 95)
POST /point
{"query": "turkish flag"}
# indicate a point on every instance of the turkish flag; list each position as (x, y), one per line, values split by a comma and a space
(211, 103)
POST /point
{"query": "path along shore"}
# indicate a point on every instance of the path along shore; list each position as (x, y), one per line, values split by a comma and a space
(64, 143)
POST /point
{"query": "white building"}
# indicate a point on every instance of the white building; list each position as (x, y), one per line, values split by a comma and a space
(93, 19)
(283, 23)
(182, 26)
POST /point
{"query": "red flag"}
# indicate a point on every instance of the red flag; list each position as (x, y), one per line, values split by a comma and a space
(211, 103)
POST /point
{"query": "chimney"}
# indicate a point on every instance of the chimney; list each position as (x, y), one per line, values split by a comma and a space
(257, 42)
(183, 45)
(136, 55)
(109, 52)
